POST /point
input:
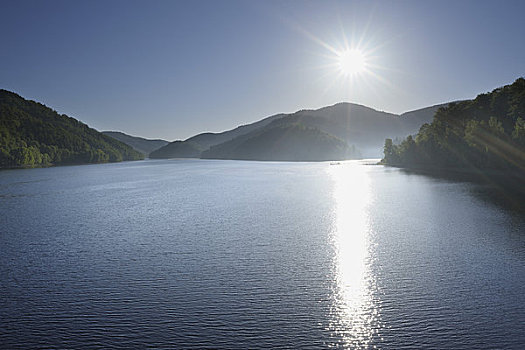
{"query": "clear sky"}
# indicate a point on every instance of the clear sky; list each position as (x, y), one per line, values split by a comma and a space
(172, 69)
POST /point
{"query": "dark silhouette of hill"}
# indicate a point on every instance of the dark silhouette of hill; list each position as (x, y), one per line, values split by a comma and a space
(193, 146)
(142, 145)
(360, 127)
(32, 134)
(178, 149)
(284, 141)
(414, 119)
(208, 139)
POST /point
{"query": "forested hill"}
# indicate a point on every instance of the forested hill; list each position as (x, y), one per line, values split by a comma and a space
(284, 141)
(361, 127)
(485, 133)
(32, 134)
(144, 146)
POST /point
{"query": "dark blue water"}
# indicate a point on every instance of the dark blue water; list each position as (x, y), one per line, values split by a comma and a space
(225, 254)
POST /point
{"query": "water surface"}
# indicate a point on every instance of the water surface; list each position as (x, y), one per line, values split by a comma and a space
(231, 254)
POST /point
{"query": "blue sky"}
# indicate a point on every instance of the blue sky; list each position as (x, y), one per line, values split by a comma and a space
(172, 69)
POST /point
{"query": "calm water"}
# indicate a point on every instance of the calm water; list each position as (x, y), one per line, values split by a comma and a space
(226, 254)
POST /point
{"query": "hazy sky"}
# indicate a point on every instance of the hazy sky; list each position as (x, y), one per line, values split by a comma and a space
(172, 69)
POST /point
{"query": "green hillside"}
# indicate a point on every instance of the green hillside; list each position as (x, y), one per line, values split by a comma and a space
(32, 134)
(485, 133)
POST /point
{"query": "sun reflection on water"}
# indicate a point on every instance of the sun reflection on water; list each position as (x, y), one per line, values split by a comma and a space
(354, 313)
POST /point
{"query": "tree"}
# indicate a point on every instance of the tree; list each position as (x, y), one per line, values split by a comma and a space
(487, 132)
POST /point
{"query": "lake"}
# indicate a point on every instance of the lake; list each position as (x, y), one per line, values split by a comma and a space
(232, 254)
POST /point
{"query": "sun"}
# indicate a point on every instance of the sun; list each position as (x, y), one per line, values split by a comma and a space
(351, 62)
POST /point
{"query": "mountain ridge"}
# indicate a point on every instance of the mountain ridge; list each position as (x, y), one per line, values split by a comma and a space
(140, 144)
(350, 122)
(205, 139)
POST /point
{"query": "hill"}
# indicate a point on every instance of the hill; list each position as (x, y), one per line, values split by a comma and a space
(364, 127)
(414, 119)
(360, 126)
(284, 142)
(32, 134)
(193, 146)
(208, 139)
(178, 149)
(142, 145)
(487, 133)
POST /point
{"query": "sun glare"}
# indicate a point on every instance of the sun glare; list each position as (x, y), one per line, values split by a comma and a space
(351, 62)
(356, 317)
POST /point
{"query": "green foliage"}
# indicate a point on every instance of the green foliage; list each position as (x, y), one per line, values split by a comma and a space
(32, 134)
(485, 133)
(518, 134)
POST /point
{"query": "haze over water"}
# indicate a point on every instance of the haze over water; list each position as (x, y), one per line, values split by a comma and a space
(232, 254)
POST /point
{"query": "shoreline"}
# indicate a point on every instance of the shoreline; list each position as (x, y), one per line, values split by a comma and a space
(43, 166)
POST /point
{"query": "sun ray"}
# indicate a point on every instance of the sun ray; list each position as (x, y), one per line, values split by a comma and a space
(352, 61)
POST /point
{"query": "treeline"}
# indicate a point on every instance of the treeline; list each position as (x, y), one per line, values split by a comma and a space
(485, 133)
(32, 134)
